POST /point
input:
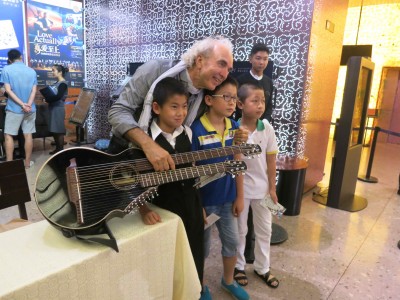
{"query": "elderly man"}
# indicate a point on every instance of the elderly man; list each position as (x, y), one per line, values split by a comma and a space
(204, 66)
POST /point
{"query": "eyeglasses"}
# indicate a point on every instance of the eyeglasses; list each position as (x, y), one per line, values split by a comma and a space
(227, 98)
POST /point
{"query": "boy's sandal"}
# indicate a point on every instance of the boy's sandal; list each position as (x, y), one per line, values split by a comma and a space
(269, 279)
(240, 277)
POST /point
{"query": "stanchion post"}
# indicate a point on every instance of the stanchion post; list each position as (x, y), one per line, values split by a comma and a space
(371, 155)
(368, 177)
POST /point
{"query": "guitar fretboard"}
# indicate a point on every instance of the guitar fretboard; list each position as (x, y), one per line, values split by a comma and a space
(188, 157)
(157, 178)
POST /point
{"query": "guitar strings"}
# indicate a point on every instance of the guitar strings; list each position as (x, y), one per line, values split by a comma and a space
(103, 204)
(121, 202)
(156, 177)
(125, 169)
(179, 158)
(102, 170)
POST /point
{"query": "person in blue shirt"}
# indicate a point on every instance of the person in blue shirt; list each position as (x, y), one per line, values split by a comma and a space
(20, 84)
(224, 196)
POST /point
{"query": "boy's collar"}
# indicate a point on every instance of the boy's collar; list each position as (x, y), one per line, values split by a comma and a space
(156, 130)
(256, 76)
(209, 127)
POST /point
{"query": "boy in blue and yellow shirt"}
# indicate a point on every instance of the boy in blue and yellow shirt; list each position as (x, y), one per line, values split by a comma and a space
(224, 196)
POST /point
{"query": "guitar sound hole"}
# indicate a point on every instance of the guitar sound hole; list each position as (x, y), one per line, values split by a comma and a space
(123, 177)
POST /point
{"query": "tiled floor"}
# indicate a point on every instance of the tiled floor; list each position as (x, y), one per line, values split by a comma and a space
(330, 254)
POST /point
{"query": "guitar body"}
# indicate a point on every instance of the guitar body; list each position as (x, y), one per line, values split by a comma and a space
(103, 199)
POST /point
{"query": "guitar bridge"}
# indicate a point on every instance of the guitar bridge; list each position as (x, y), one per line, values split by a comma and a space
(74, 190)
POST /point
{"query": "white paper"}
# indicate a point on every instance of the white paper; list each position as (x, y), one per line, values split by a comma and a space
(211, 219)
(276, 208)
(8, 38)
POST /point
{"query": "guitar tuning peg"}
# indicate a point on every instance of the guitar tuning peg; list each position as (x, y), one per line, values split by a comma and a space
(233, 175)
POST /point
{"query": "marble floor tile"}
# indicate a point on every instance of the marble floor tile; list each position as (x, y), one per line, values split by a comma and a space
(330, 253)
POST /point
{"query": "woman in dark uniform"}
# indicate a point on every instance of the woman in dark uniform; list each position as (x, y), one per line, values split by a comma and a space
(57, 107)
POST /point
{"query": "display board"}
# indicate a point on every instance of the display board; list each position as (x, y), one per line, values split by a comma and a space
(55, 36)
(12, 29)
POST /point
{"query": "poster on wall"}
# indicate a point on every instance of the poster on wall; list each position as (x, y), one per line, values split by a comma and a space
(55, 35)
(12, 28)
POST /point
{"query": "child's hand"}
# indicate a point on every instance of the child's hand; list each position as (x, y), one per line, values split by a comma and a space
(237, 207)
(274, 197)
(149, 217)
(241, 135)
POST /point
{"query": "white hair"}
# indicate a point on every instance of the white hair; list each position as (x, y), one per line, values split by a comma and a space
(204, 47)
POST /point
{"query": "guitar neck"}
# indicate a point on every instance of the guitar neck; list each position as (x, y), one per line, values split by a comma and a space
(157, 178)
(187, 157)
(194, 156)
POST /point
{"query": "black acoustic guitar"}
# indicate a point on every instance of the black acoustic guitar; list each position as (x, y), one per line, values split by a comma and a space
(79, 188)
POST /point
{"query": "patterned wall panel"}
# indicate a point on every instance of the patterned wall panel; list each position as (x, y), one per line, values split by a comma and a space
(136, 31)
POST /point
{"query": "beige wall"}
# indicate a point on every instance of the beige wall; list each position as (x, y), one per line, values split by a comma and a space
(379, 26)
(320, 88)
(388, 115)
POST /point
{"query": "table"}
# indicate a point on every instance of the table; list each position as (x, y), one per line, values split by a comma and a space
(154, 262)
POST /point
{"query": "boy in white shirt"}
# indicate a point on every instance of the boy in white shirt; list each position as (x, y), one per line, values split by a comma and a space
(259, 181)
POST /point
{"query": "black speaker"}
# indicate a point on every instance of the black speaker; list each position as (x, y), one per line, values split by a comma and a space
(132, 67)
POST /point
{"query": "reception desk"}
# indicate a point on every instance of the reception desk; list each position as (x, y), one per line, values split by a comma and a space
(154, 262)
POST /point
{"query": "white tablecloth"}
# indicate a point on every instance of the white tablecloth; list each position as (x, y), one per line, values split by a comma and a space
(154, 262)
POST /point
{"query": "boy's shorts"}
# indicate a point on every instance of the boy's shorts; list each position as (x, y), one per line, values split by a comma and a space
(14, 121)
(227, 227)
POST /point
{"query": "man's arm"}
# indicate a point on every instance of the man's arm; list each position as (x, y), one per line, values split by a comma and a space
(121, 114)
(12, 95)
(32, 95)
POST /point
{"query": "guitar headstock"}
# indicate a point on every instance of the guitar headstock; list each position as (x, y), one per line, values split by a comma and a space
(250, 150)
(141, 199)
(235, 167)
